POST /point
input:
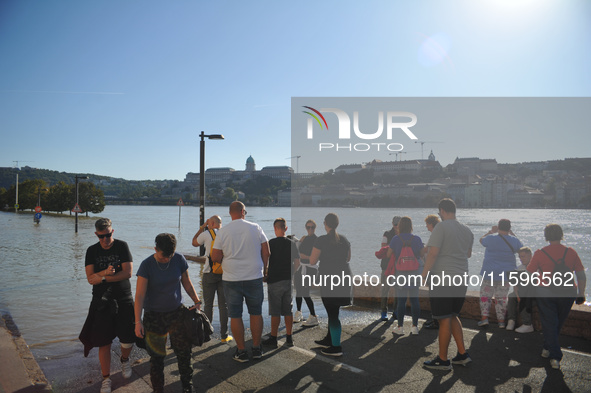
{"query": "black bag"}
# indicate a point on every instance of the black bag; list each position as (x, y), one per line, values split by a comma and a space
(197, 326)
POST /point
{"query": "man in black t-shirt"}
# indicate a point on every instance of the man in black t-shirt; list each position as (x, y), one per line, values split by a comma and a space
(108, 268)
(284, 253)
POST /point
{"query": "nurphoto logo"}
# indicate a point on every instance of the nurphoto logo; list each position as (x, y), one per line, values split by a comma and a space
(395, 121)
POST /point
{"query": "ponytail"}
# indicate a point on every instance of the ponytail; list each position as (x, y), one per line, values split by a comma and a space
(332, 221)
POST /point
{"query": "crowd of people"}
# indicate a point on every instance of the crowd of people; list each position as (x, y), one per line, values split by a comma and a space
(240, 259)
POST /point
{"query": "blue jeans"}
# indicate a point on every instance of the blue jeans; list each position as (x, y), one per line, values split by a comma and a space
(553, 314)
(250, 291)
(415, 308)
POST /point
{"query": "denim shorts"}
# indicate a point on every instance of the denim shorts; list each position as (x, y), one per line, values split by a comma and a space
(237, 291)
(280, 297)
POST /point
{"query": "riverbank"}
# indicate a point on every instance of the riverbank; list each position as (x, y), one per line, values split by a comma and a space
(19, 371)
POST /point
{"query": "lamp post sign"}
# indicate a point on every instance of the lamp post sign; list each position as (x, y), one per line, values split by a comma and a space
(38, 215)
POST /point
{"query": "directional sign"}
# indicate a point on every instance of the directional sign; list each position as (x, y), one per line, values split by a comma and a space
(180, 202)
(38, 217)
(37, 209)
(77, 209)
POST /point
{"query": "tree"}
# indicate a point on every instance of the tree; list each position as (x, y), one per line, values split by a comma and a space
(60, 198)
(230, 194)
(90, 198)
(28, 193)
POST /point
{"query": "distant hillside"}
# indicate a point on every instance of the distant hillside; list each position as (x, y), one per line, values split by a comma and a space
(8, 176)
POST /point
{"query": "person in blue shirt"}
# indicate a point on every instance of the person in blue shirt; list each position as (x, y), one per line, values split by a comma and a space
(499, 259)
(158, 293)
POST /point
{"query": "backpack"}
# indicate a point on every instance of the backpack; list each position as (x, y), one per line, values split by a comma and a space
(407, 261)
(216, 267)
(562, 271)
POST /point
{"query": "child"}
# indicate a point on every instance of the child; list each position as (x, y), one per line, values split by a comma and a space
(518, 300)
(283, 255)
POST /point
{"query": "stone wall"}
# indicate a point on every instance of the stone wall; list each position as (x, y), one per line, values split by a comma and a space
(578, 323)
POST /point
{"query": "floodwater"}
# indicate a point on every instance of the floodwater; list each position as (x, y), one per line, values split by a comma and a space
(43, 283)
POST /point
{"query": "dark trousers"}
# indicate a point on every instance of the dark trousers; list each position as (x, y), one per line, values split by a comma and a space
(157, 326)
(553, 314)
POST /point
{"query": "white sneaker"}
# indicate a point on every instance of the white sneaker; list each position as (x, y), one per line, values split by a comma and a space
(525, 329)
(126, 369)
(311, 321)
(398, 330)
(545, 353)
(414, 330)
(511, 325)
(106, 385)
(297, 317)
(555, 363)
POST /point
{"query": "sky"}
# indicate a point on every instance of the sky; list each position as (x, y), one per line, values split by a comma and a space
(123, 88)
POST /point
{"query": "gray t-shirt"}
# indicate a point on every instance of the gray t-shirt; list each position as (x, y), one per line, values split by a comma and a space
(454, 241)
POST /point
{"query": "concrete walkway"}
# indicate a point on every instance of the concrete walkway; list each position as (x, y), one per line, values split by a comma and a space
(374, 360)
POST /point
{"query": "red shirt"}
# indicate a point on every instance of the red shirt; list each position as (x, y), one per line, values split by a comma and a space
(540, 261)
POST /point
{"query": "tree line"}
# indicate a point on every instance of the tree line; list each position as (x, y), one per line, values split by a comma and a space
(57, 198)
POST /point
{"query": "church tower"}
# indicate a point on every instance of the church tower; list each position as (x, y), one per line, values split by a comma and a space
(431, 156)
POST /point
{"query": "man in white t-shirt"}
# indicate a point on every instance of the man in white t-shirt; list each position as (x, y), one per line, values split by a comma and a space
(211, 282)
(243, 249)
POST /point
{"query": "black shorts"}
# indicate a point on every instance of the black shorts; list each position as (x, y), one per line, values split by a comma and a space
(447, 302)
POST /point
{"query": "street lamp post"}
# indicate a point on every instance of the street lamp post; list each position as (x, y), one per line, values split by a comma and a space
(77, 206)
(202, 179)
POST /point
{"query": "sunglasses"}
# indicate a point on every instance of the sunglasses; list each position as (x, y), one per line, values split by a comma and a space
(310, 227)
(106, 235)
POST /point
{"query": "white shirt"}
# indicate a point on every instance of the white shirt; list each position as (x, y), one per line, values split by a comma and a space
(240, 242)
(205, 239)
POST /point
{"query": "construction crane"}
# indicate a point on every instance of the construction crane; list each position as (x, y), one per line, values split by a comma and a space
(402, 152)
(397, 153)
(422, 143)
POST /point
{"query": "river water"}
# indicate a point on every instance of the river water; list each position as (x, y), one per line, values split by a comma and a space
(43, 283)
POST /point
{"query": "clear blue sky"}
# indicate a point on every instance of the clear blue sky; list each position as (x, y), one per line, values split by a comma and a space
(123, 88)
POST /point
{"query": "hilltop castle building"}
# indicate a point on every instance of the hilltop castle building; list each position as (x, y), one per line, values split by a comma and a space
(223, 175)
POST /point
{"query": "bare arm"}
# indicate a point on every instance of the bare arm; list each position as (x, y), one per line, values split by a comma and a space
(195, 243)
(265, 254)
(124, 274)
(96, 278)
(140, 294)
(315, 256)
(216, 255)
(424, 251)
(190, 289)
(431, 257)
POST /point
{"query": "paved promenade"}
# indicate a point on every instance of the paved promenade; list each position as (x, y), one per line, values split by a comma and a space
(375, 360)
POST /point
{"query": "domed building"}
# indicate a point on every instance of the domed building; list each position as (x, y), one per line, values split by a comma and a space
(250, 165)
(226, 174)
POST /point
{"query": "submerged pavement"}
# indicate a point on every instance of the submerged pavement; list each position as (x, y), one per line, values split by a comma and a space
(374, 360)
